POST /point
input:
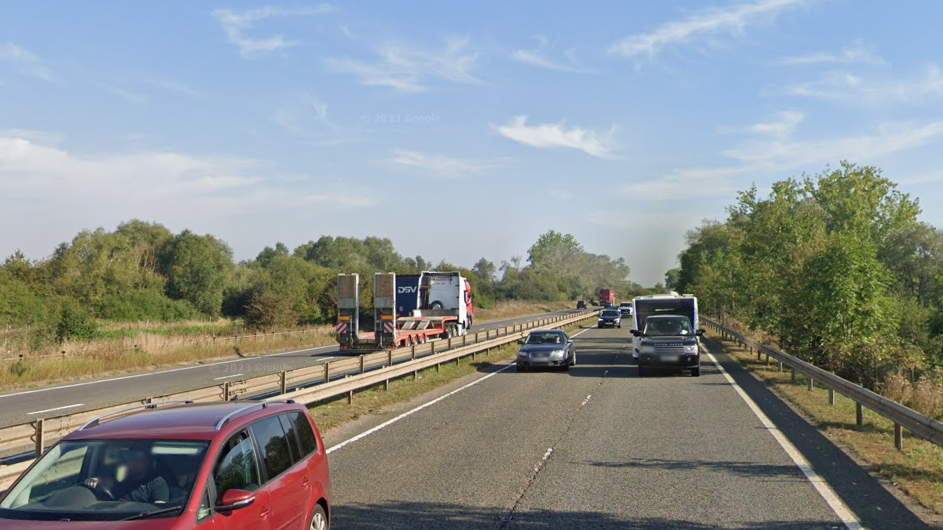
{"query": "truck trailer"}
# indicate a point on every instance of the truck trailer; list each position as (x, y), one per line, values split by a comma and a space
(607, 296)
(408, 309)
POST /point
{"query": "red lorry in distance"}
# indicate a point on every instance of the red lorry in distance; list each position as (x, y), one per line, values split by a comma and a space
(607, 296)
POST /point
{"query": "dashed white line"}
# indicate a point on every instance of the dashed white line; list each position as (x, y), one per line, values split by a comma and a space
(56, 408)
(226, 377)
(848, 518)
(585, 401)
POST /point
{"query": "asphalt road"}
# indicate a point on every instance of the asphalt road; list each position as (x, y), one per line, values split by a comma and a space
(23, 406)
(598, 448)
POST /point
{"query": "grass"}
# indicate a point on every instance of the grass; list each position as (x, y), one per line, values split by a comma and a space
(917, 470)
(101, 357)
(519, 308)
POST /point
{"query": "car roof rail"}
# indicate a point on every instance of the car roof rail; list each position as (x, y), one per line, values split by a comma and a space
(225, 419)
(96, 420)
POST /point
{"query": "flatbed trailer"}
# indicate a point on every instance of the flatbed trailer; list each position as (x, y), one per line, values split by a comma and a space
(391, 330)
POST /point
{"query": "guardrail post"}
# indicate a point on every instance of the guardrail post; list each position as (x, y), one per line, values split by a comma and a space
(780, 367)
(226, 391)
(282, 377)
(767, 359)
(361, 363)
(859, 414)
(811, 384)
(350, 397)
(327, 372)
(413, 352)
(39, 437)
(389, 358)
(476, 337)
(464, 340)
(432, 345)
(450, 343)
(793, 370)
(898, 437)
(831, 396)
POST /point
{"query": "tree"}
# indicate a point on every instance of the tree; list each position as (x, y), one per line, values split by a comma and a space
(197, 271)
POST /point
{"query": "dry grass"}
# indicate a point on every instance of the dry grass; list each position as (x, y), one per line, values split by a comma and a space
(519, 308)
(917, 471)
(109, 356)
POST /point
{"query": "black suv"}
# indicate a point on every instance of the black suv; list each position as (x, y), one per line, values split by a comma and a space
(581, 304)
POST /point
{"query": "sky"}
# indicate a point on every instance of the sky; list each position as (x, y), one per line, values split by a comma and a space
(459, 130)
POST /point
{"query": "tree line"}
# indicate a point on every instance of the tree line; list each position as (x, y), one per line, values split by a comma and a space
(835, 267)
(141, 271)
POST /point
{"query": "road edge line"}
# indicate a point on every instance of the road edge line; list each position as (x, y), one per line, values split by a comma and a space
(848, 517)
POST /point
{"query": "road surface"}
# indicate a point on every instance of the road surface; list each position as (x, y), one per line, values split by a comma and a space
(600, 448)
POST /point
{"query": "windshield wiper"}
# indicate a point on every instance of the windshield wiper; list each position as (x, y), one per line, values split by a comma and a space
(145, 515)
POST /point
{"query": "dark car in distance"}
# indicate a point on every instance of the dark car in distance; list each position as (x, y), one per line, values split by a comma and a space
(552, 349)
(581, 304)
(176, 465)
(668, 342)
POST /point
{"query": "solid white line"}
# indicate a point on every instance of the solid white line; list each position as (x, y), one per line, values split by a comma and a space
(57, 408)
(226, 377)
(408, 413)
(844, 513)
(148, 374)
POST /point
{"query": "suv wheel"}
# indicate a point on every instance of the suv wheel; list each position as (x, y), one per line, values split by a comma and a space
(319, 519)
(696, 372)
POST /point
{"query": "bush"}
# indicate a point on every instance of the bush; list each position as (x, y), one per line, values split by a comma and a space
(138, 306)
(75, 323)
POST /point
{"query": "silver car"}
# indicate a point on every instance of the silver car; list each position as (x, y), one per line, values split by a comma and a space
(552, 348)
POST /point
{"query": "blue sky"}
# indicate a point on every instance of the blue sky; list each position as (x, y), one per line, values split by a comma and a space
(459, 130)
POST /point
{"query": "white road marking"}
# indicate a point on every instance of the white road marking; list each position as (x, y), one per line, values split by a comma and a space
(585, 401)
(57, 408)
(408, 413)
(226, 377)
(838, 506)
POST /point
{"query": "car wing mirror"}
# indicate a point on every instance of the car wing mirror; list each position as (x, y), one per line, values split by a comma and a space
(235, 499)
(700, 332)
(636, 332)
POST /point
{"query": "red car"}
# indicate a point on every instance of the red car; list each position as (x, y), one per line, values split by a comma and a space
(179, 465)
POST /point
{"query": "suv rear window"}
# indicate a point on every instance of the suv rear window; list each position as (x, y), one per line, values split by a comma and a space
(276, 456)
(309, 443)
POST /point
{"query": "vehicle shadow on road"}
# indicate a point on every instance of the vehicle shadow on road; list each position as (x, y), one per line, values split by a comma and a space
(441, 516)
(862, 493)
(747, 469)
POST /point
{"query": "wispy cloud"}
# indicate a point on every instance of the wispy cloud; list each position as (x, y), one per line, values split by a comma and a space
(552, 135)
(184, 189)
(174, 86)
(25, 61)
(237, 24)
(782, 126)
(410, 69)
(536, 57)
(123, 93)
(778, 155)
(438, 165)
(856, 90)
(732, 19)
(857, 53)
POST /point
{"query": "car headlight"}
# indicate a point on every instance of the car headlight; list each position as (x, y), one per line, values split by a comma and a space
(557, 353)
(690, 348)
(647, 348)
(522, 353)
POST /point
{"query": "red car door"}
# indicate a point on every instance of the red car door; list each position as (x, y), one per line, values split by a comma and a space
(285, 481)
(238, 468)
